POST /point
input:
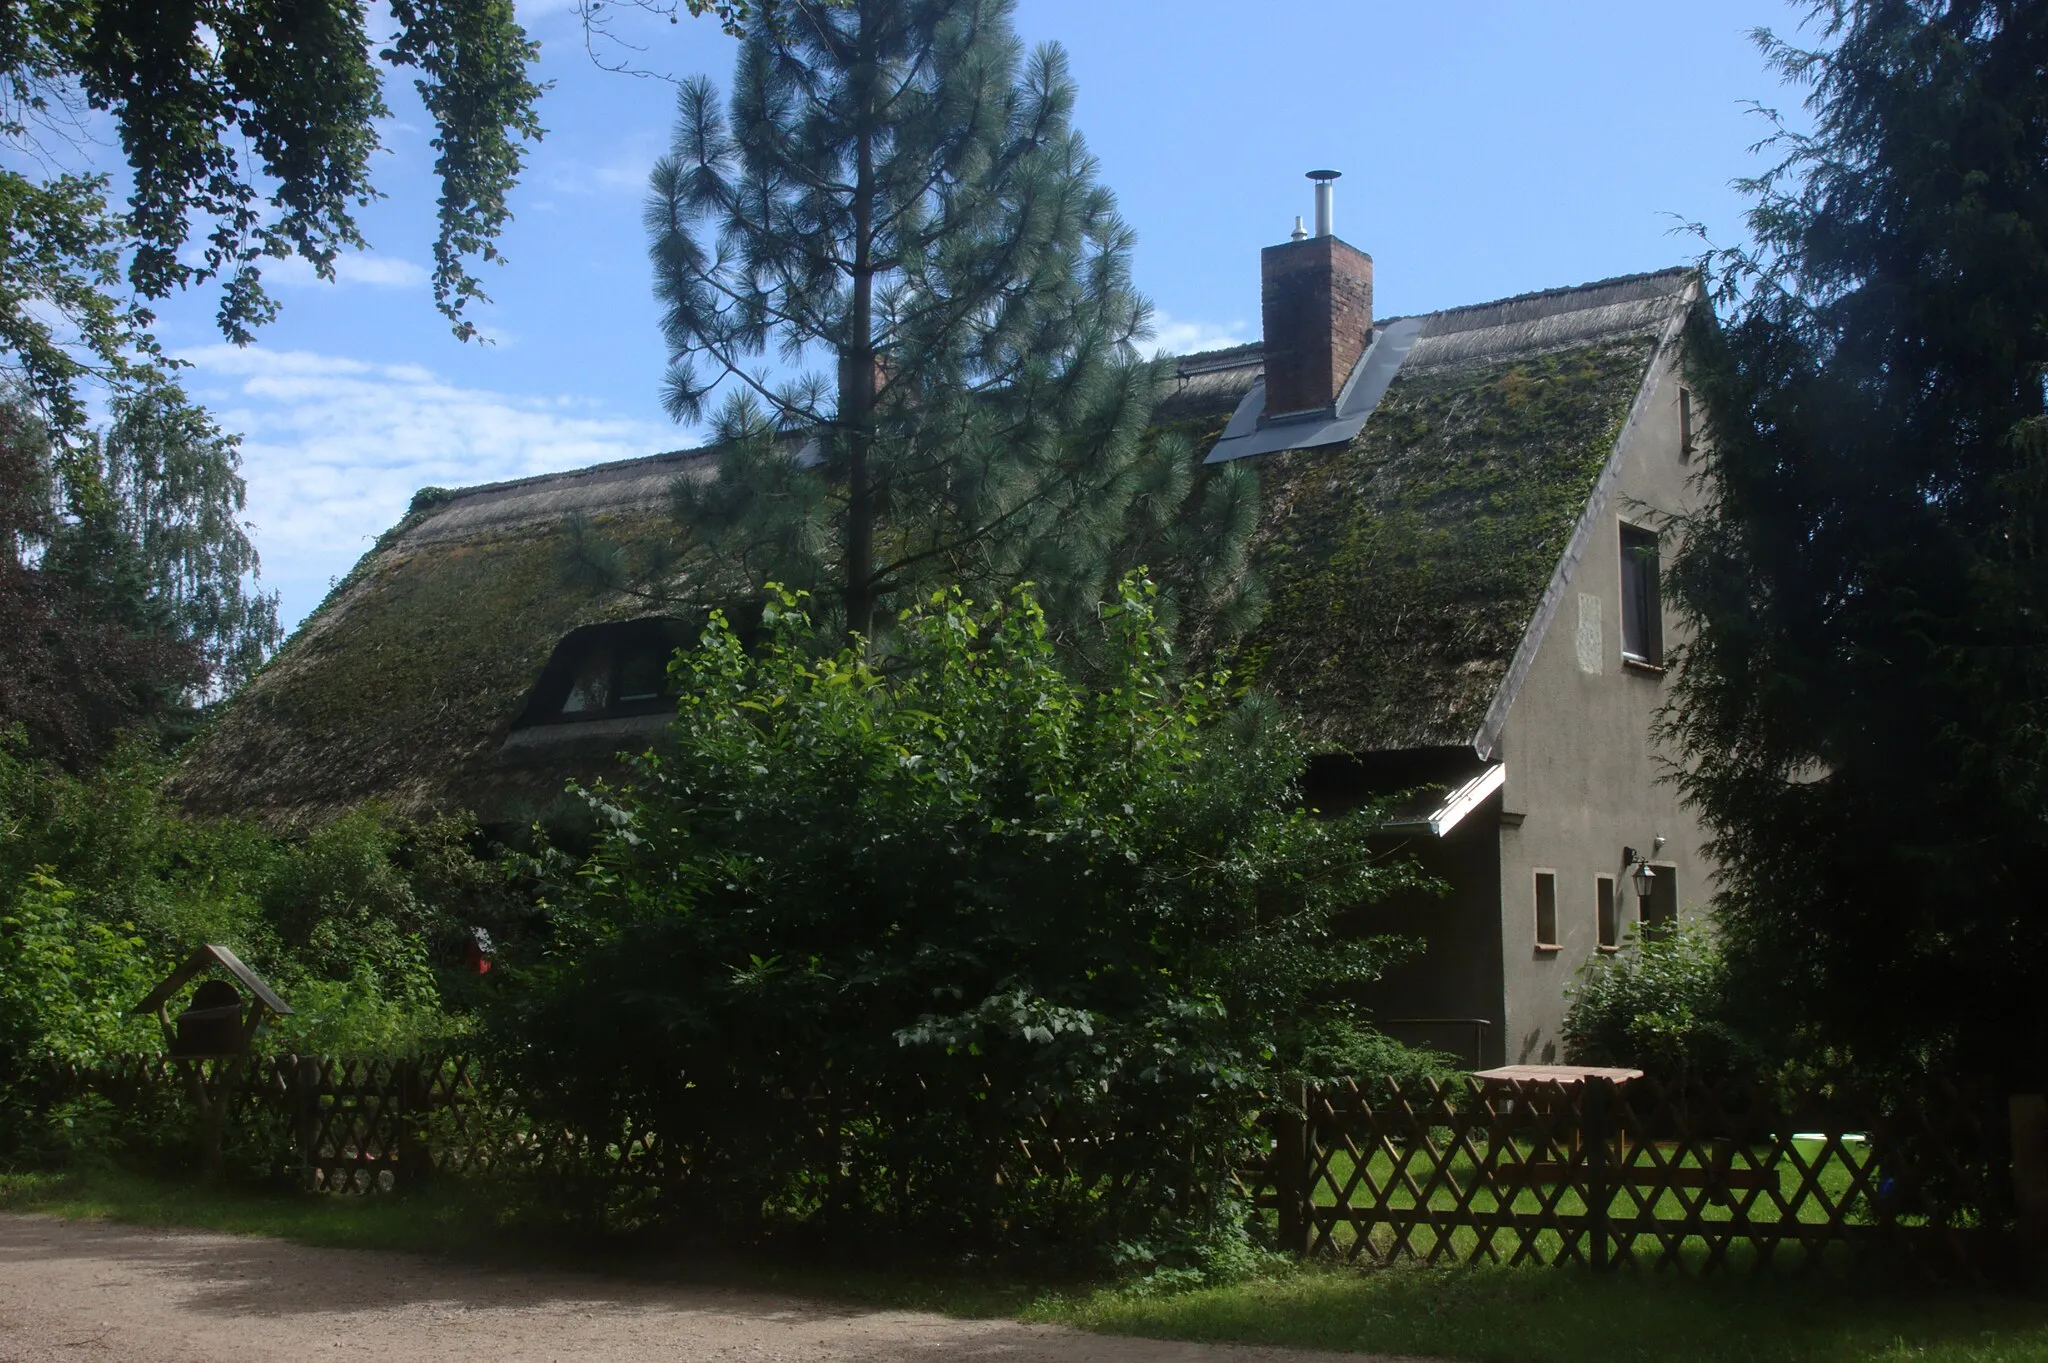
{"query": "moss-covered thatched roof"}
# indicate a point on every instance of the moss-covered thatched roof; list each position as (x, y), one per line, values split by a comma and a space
(404, 684)
(1404, 571)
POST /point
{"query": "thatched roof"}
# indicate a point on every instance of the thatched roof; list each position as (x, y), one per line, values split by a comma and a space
(1404, 570)
(1409, 569)
(403, 685)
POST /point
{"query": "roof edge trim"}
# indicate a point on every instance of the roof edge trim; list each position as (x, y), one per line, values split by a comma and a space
(1460, 802)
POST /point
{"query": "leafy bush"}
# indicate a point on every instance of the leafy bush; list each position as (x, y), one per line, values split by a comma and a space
(66, 985)
(360, 924)
(1662, 1004)
(968, 952)
(69, 982)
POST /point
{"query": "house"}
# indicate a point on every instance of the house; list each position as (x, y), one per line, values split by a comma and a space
(1460, 539)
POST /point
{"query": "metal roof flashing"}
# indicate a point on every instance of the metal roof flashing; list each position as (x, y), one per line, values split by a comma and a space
(1250, 433)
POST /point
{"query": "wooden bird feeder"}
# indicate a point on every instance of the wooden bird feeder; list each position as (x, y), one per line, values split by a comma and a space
(215, 1025)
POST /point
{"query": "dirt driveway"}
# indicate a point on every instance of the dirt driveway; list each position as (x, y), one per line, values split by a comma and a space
(87, 1292)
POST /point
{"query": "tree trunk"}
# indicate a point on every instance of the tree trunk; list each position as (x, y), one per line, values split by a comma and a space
(857, 398)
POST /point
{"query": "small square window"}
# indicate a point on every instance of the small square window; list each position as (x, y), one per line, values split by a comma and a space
(1546, 909)
(1607, 912)
(1642, 600)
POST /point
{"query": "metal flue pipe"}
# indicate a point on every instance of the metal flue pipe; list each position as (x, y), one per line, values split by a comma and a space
(1326, 196)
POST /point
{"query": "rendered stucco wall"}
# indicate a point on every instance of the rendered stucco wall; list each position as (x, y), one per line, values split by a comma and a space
(1581, 769)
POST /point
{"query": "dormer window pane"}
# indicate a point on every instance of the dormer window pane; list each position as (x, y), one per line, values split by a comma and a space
(643, 675)
(592, 689)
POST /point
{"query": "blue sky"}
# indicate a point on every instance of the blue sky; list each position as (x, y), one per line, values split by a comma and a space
(1487, 148)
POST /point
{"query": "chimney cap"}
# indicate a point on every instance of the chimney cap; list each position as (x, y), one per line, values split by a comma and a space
(1321, 176)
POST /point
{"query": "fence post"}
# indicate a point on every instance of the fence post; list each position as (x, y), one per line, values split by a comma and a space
(306, 1075)
(1290, 1168)
(2027, 1123)
(415, 1160)
(1593, 1137)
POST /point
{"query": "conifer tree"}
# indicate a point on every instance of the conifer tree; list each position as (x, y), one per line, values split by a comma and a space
(896, 207)
(1865, 708)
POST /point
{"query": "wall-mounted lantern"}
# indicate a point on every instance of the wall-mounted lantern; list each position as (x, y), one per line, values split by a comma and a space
(1640, 873)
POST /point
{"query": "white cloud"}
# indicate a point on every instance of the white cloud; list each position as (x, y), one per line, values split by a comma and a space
(618, 178)
(1172, 336)
(333, 448)
(366, 268)
(621, 172)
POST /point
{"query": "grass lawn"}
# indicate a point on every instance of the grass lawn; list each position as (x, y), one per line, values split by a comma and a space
(1562, 1315)
(1534, 1315)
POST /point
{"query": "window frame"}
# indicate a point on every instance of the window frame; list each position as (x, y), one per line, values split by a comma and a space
(1607, 923)
(619, 639)
(1642, 602)
(1539, 877)
(1688, 431)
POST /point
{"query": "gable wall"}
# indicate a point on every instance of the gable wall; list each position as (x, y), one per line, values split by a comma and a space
(1581, 768)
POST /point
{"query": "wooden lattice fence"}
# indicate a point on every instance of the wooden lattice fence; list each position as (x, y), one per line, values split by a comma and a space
(1694, 1179)
(347, 1125)
(1686, 1178)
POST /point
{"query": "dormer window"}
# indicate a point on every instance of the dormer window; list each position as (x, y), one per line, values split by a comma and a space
(614, 678)
(607, 672)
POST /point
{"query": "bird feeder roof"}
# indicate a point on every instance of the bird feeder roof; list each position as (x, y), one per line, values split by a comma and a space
(205, 959)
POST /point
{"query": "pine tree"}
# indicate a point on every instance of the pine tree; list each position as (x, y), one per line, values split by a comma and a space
(897, 195)
(1866, 706)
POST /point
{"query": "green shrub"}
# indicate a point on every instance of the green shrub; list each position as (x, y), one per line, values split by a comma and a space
(105, 884)
(969, 953)
(68, 982)
(1662, 1004)
(66, 985)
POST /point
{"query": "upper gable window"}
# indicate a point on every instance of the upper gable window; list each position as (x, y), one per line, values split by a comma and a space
(607, 672)
(1688, 439)
(1642, 600)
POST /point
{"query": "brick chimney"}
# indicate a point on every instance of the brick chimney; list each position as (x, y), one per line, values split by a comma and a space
(1316, 303)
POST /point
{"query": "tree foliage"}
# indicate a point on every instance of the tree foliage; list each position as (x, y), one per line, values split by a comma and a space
(850, 945)
(1865, 709)
(896, 189)
(363, 924)
(83, 655)
(127, 595)
(168, 479)
(251, 125)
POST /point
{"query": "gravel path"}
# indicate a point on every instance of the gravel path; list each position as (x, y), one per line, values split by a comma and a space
(89, 1292)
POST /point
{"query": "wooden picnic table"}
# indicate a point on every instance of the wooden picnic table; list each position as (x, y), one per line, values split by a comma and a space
(1717, 1171)
(1557, 1074)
